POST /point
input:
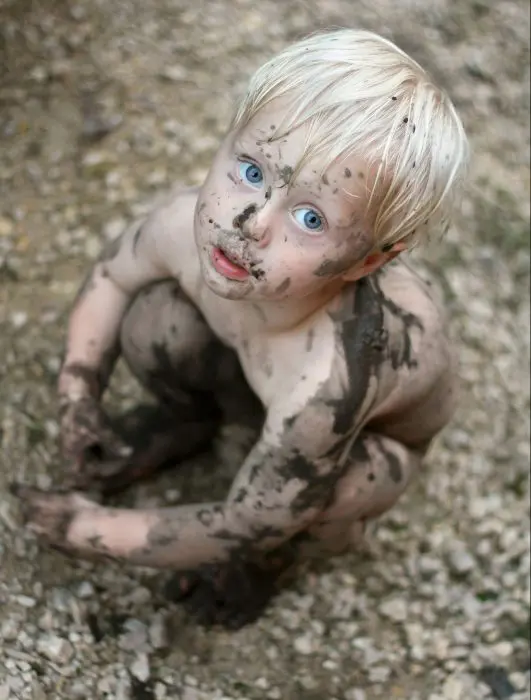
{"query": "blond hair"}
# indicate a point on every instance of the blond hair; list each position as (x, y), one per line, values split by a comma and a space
(359, 94)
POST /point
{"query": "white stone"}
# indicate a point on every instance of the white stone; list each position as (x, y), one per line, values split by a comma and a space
(158, 633)
(25, 601)
(395, 609)
(355, 694)
(134, 637)
(175, 73)
(55, 648)
(503, 649)
(461, 561)
(140, 668)
(123, 689)
(303, 644)
(9, 631)
(159, 691)
(85, 590)
(379, 674)
(453, 689)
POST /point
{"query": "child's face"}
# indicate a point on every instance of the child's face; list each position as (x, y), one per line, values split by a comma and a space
(262, 234)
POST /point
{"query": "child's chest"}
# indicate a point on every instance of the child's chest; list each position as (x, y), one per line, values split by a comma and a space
(274, 363)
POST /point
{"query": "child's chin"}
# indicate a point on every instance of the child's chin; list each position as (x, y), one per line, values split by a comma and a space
(226, 288)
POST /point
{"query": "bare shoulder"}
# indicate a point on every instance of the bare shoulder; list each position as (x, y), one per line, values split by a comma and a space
(168, 233)
(155, 246)
(393, 311)
(406, 287)
(172, 219)
(393, 355)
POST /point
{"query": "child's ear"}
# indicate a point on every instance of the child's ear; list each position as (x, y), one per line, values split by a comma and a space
(374, 261)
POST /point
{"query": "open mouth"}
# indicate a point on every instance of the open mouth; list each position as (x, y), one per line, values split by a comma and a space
(227, 267)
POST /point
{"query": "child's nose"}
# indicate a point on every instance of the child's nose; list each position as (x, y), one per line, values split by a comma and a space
(253, 223)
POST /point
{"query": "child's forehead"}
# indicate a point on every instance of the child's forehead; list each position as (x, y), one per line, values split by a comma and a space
(289, 150)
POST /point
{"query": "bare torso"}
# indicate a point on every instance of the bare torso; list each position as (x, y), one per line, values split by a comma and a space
(353, 394)
(415, 397)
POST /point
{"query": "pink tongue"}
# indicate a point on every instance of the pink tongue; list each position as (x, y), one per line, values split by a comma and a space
(226, 267)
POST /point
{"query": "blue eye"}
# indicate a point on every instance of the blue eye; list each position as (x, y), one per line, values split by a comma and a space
(309, 218)
(251, 173)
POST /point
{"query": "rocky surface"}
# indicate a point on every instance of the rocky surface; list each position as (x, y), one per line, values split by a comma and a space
(104, 104)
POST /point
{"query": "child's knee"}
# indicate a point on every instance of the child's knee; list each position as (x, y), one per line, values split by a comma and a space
(379, 472)
(162, 328)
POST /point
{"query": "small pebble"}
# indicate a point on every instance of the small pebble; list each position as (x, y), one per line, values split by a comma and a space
(85, 590)
(395, 609)
(26, 601)
(303, 644)
(140, 668)
(158, 633)
(461, 561)
(453, 689)
(55, 648)
(355, 694)
(174, 73)
(134, 637)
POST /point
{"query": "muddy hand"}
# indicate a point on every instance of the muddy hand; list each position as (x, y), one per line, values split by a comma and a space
(89, 444)
(48, 514)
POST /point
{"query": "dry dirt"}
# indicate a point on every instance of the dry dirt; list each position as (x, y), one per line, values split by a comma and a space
(102, 105)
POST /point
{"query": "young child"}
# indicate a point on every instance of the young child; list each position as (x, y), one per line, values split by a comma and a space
(342, 154)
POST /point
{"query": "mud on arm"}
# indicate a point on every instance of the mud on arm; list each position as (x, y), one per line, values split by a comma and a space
(283, 484)
(126, 264)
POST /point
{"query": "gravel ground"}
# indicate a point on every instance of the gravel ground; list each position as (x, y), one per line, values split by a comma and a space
(104, 104)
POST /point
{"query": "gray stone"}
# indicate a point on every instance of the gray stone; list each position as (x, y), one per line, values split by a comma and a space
(55, 648)
(395, 609)
(140, 668)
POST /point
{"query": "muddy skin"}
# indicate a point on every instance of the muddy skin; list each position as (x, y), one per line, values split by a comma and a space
(235, 592)
(331, 268)
(239, 220)
(233, 595)
(57, 525)
(313, 475)
(87, 374)
(399, 354)
(358, 245)
(111, 250)
(284, 286)
(88, 439)
(364, 339)
(395, 470)
(309, 340)
(257, 272)
(285, 174)
(158, 439)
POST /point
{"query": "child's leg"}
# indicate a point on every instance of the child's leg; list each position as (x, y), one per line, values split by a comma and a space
(379, 472)
(237, 591)
(173, 353)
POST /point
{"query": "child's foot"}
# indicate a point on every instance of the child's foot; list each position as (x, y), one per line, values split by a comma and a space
(231, 595)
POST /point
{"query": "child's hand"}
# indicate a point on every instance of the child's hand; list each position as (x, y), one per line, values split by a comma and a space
(88, 441)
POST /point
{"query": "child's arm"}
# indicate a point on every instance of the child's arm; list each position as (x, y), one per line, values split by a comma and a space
(127, 264)
(280, 488)
(282, 485)
(149, 250)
